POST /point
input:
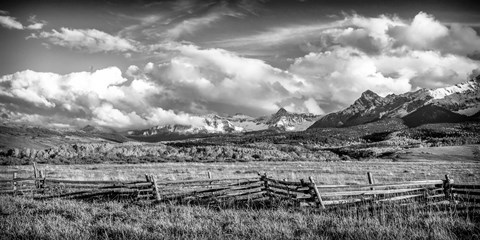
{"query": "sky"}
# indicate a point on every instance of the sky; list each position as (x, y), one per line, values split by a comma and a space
(137, 64)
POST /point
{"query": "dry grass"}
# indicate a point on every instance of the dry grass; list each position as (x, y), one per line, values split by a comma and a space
(323, 172)
(22, 218)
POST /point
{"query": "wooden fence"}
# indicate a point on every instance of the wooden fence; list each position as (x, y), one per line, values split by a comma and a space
(248, 189)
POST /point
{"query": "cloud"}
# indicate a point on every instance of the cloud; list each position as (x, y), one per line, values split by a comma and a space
(339, 60)
(421, 32)
(76, 94)
(199, 81)
(372, 35)
(424, 32)
(206, 80)
(10, 23)
(180, 20)
(48, 90)
(312, 106)
(91, 40)
(342, 74)
(353, 30)
(35, 24)
(223, 81)
(178, 80)
(103, 97)
(190, 26)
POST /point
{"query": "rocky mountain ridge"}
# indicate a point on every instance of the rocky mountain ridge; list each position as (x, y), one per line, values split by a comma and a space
(282, 120)
(462, 98)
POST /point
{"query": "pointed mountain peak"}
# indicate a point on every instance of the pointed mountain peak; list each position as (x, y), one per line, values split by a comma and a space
(369, 94)
(367, 100)
(281, 111)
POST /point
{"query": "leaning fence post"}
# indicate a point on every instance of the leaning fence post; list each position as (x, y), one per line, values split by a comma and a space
(317, 193)
(155, 188)
(35, 170)
(447, 187)
(370, 179)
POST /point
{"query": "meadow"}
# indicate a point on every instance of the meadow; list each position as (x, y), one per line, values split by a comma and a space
(24, 218)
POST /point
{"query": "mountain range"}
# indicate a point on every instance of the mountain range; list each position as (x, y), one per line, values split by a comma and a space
(457, 103)
(282, 120)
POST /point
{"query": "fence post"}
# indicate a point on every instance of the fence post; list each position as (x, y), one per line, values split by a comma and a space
(371, 181)
(35, 170)
(35, 174)
(155, 188)
(265, 184)
(14, 183)
(447, 187)
(147, 178)
(209, 174)
(317, 193)
(41, 184)
(288, 188)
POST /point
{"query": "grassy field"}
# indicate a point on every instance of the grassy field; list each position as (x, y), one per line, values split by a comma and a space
(22, 218)
(324, 172)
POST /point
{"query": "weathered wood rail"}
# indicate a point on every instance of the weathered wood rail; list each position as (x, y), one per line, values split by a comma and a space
(248, 189)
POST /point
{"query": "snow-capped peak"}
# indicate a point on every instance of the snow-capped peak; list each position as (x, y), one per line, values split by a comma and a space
(462, 98)
(440, 93)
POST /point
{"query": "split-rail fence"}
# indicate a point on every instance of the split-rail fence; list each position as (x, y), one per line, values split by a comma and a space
(261, 188)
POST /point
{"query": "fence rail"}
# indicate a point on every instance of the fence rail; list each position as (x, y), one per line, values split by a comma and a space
(255, 188)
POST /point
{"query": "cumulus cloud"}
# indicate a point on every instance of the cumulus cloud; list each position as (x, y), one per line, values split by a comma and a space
(211, 80)
(344, 59)
(76, 94)
(342, 74)
(10, 22)
(224, 82)
(424, 32)
(103, 97)
(385, 54)
(197, 80)
(91, 40)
